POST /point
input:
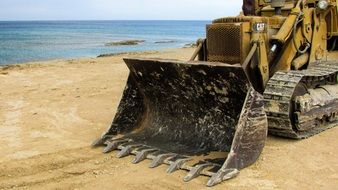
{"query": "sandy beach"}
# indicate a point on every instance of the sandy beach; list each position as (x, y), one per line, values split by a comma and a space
(51, 111)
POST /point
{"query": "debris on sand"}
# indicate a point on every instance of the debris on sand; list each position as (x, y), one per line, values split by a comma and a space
(4, 69)
(125, 43)
(4, 73)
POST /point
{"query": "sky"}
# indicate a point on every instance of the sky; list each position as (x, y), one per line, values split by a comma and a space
(117, 9)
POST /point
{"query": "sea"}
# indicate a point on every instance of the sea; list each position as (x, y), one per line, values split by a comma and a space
(26, 41)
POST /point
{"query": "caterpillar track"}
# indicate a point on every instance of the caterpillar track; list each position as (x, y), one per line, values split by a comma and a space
(283, 104)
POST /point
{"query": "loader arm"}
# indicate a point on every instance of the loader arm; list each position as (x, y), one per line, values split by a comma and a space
(280, 39)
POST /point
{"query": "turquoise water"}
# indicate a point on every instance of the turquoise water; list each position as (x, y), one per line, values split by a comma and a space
(45, 40)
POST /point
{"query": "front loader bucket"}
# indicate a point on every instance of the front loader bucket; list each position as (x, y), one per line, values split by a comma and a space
(198, 116)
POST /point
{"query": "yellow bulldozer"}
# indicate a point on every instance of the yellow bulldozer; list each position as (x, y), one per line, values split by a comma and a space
(271, 69)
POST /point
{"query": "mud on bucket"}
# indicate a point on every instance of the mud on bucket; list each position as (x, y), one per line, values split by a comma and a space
(188, 115)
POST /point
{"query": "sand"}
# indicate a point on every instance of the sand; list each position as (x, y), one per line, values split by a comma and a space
(51, 111)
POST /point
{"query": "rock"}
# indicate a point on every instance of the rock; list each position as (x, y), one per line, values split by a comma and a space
(125, 43)
(165, 41)
(112, 54)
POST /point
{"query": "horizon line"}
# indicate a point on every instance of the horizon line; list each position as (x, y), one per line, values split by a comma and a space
(22, 20)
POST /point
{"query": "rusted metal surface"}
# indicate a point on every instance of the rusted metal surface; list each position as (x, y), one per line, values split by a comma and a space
(249, 139)
(193, 104)
(174, 112)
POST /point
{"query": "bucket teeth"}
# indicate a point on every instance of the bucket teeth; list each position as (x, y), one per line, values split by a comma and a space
(127, 150)
(98, 142)
(101, 141)
(113, 145)
(222, 175)
(176, 165)
(196, 171)
(158, 160)
(142, 155)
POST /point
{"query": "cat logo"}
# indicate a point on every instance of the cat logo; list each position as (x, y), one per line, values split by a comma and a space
(259, 27)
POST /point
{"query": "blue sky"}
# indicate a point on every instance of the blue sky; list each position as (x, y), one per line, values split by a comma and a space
(117, 9)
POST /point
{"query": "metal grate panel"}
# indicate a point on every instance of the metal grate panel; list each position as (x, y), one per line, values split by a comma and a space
(224, 43)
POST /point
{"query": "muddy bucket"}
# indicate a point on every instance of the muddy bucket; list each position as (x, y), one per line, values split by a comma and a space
(202, 117)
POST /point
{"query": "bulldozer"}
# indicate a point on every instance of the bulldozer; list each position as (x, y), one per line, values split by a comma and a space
(272, 69)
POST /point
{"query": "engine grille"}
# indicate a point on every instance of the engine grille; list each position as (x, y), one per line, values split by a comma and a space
(224, 43)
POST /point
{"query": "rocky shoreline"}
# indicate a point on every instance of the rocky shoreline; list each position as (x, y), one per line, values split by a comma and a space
(137, 42)
(125, 43)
